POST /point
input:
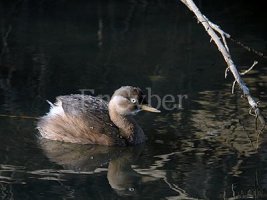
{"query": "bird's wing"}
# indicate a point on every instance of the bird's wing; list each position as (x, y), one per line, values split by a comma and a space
(85, 105)
(93, 108)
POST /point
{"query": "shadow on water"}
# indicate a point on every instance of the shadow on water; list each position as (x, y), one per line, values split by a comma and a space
(205, 150)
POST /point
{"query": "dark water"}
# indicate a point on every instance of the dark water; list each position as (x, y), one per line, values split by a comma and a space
(206, 150)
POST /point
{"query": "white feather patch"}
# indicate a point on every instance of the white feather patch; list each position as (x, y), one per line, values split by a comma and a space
(55, 109)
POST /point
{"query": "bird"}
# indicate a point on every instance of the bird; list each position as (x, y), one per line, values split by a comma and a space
(85, 119)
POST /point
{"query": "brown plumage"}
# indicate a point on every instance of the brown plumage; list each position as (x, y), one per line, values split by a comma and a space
(90, 120)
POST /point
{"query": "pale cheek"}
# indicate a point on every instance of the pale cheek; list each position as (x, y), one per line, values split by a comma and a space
(129, 110)
(123, 106)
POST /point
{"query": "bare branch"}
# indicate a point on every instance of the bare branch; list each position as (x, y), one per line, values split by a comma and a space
(211, 29)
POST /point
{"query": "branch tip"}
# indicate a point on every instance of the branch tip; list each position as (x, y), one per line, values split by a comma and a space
(233, 87)
(249, 69)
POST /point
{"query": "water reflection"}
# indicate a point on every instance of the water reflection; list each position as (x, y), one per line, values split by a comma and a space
(122, 166)
(192, 169)
(207, 150)
(94, 159)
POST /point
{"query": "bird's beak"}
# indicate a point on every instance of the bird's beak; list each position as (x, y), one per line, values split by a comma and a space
(149, 108)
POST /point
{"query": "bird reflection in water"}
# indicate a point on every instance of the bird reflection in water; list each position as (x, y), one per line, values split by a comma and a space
(94, 158)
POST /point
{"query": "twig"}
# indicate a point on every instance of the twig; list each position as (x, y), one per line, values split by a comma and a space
(249, 49)
(248, 70)
(220, 31)
(233, 87)
(223, 48)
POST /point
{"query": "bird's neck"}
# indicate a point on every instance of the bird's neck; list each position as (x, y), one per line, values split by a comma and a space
(129, 129)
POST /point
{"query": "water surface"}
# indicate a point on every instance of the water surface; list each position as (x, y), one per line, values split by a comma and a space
(209, 149)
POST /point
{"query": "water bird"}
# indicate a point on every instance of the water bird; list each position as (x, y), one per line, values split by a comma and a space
(85, 119)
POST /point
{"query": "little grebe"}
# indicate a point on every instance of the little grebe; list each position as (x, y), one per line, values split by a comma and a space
(86, 119)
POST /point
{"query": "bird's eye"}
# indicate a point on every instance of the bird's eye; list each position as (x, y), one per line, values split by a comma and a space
(133, 100)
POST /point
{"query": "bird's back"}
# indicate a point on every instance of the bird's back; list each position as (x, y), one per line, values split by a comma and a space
(80, 119)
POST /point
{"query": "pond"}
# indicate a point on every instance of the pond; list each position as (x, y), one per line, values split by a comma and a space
(202, 146)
